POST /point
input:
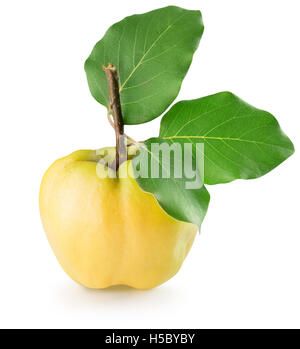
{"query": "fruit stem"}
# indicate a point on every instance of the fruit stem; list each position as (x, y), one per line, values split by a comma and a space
(115, 108)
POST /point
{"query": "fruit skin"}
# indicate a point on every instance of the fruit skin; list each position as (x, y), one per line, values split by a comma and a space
(107, 231)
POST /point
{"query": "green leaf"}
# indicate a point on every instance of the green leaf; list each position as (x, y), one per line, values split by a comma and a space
(173, 193)
(240, 141)
(152, 53)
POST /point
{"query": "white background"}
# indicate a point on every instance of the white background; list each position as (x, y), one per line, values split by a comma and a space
(243, 270)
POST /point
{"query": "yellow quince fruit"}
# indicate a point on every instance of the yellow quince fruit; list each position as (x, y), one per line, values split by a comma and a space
(107, 231)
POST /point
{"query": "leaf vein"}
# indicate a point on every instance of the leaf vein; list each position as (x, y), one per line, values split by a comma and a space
(149, 49)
